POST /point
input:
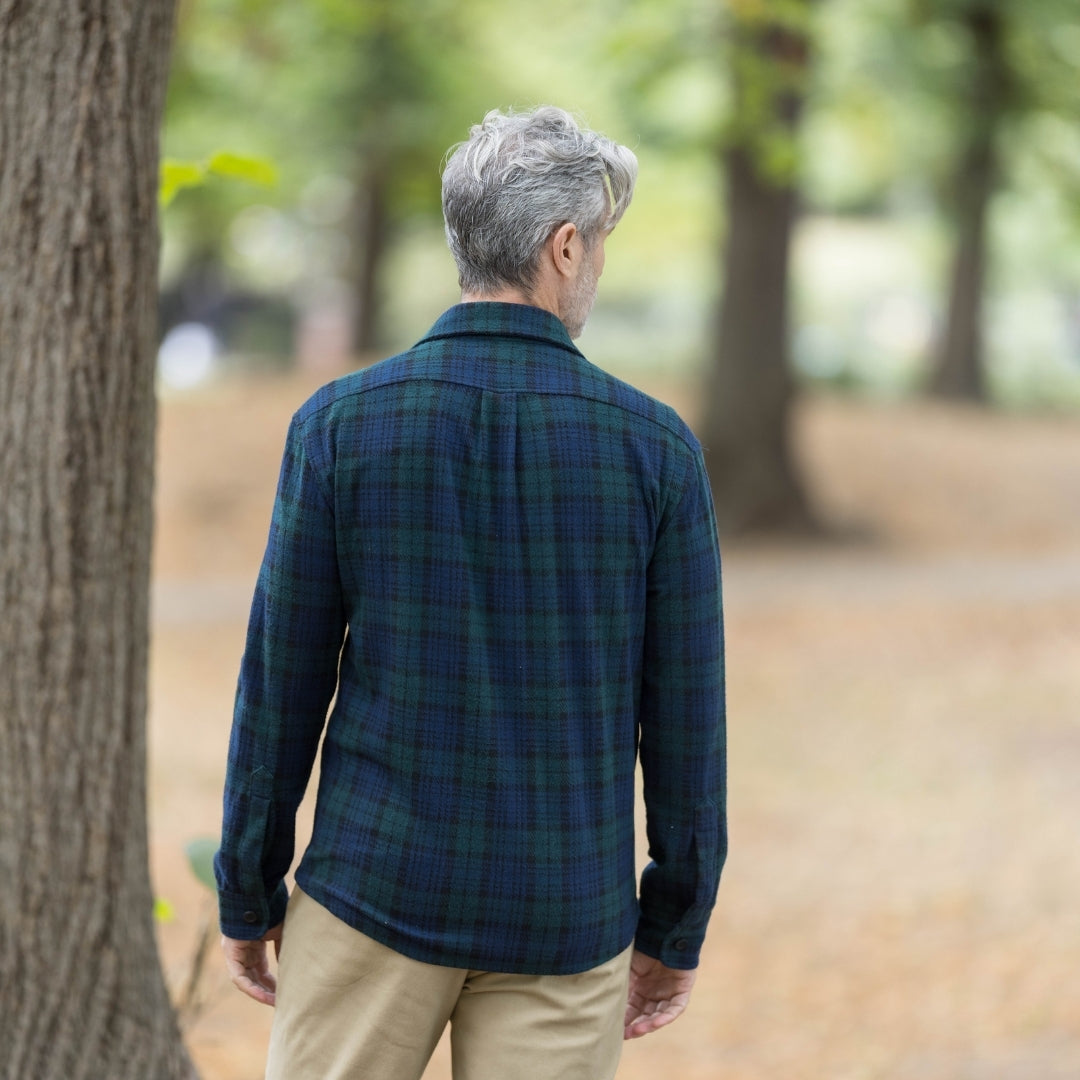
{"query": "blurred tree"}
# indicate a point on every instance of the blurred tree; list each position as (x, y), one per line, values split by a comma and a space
(81, 89)
(1002, 70)
(369, 92)
(753, 124)
(985, 96)
(397, 87)
(747, 429)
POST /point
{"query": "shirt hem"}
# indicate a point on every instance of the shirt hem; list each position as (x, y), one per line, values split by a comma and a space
(394, 939)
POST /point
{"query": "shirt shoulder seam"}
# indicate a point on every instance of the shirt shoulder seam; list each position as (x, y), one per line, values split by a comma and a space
(662, 415)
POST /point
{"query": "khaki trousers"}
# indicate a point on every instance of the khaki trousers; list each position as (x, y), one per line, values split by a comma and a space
(349, 1008)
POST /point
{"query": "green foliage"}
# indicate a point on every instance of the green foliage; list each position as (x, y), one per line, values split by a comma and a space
(176, 175)
(324, 87)
(200, 855)
(331, 89)
(347, 94)
(701, 76)
(164, 912)
(254, 170)
(892, 104)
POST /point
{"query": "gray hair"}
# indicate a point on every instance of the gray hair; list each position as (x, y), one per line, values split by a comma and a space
(517, 178)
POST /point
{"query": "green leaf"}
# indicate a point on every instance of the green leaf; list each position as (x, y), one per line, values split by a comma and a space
(254, 170)
(176, 175)
(163, 911)
(200, 853)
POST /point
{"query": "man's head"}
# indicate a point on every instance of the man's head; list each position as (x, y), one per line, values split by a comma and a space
(525, 186)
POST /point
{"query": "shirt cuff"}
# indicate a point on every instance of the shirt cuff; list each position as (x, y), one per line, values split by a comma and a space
(679, 949)
(248, 918)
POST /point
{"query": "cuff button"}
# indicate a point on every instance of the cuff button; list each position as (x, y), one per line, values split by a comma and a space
(253, 917)
(679, 946)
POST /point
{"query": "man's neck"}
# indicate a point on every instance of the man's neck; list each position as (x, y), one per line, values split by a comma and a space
(499, 296)
(540, 297)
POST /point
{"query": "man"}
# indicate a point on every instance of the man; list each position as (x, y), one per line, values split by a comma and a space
(504, 563)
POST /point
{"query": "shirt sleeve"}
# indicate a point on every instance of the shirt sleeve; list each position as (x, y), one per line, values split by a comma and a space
(287, 679)
(682, 729)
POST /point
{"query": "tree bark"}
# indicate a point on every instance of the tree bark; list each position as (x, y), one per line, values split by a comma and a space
(750, 391)
(958, 370)
(81, 91)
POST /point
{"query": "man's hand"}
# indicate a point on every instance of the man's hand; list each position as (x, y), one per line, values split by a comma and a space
(249, 966)
(658, 995)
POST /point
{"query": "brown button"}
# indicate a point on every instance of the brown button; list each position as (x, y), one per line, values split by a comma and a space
(251, 916)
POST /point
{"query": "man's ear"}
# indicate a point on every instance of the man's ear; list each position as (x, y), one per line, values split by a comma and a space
(565, 253)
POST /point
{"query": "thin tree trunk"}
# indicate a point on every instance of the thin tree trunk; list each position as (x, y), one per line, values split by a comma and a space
(958, 370)
(81, 89)
(369, 246)
(750, 392)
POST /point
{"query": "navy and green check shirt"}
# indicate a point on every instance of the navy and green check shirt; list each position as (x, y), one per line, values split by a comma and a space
(503, 561)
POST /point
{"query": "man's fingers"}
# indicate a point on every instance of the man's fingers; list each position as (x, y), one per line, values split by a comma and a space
(643, 1023)
(260, 985)
(657, 995)
(249, 969)
(261, 993)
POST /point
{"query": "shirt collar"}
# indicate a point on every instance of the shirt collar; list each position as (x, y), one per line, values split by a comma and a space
(497, 319)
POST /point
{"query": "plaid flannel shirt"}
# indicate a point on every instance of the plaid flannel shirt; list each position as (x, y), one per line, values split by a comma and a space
(503, 561)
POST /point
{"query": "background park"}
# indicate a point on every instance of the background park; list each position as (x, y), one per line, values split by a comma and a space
(852, 264)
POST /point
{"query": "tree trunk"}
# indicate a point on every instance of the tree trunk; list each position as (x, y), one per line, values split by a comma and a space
(81, 90)
(750, 391)
(369, 245)
(958, 370)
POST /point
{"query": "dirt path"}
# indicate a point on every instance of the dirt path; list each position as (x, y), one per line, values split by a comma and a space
(900, 901)
(841, 580)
